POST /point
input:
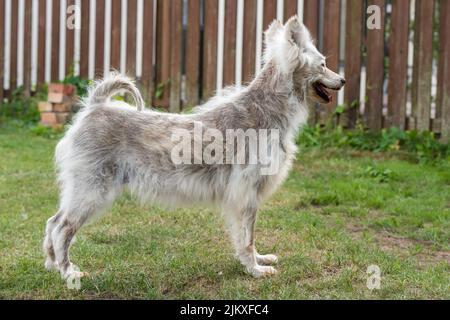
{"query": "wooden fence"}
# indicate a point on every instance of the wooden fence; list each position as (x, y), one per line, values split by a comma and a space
(183, 51)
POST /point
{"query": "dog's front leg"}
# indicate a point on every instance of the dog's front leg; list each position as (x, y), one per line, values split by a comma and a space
(242, 229)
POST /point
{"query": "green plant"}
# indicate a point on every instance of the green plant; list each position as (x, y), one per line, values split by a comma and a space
(422, 146)
(381, 175)
(21, 107)
(80, 83)
(46, 132)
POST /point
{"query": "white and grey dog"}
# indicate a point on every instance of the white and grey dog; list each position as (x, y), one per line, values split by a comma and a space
(111, 147)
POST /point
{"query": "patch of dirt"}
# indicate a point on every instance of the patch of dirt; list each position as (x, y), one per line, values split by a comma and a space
(404, 246)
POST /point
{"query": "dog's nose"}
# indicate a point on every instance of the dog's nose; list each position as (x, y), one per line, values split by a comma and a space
(343, 81)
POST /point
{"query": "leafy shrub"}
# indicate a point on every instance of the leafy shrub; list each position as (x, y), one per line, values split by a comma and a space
(81, 84)
(423, 146)
(21, 107)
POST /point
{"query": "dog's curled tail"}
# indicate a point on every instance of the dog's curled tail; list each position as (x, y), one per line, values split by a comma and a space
(103, 90)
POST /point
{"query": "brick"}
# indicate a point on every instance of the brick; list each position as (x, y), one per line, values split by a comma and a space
(59, 98)
(44, 106)
(62, 107)
(65, 89)
(49, 118)
(55, 97)
(63, 117)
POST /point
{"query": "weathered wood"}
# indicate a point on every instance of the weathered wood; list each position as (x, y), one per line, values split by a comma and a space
(193, 54)
(229, 61)
(84, 42)
(290, 9)
(162, 63)
(331, 46)
(210, 49)
(249, 45)
(116, 20)
(423, 60)
(175, 55)
(398, 59)
(2, 51)
(41, 43)
(100, 37)
(375, 72)
(270, 12)
(70, 42)
(353, 38)
(311, 17)
(27, 46)
(147, 81)
(13, 55)
(55, 40)
(131, 37)
(443, 97)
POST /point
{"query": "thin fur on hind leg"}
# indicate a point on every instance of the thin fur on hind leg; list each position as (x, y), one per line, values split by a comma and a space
(50, 260)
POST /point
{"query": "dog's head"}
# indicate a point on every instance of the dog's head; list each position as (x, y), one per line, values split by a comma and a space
(295, 53)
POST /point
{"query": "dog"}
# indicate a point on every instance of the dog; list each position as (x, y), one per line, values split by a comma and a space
(111, 147)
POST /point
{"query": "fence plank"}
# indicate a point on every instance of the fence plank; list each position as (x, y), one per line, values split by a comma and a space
(27, 46)
(270, 12)
(41, 43)
(147, 52)
(193, 53)
(311, 14)
(163, 53)
(443, 97)
(229, 61)
(131, 38)
(398, 58)
(99, 37)
(116, 21)
(249, 46)
(423, 59)
(175, 55)
(375, 72)
(353, 38)
(13, 56)
(290, 9)
(331, 46)
(2, 50)
(84, 43)
(210, 48)
(70, 44)
(55, 40)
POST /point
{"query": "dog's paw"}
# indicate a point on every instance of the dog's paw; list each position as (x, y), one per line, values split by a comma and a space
(72, 272)
(267, 259)
(51, 265)
(262, 271)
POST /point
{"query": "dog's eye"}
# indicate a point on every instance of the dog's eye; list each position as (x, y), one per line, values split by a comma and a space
(323, 65)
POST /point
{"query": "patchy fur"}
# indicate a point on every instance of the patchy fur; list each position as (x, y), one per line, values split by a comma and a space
(112, 147)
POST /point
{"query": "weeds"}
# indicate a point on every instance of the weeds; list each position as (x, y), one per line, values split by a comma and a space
(423, 146)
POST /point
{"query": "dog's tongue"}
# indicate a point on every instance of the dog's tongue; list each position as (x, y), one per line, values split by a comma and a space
(324, 93)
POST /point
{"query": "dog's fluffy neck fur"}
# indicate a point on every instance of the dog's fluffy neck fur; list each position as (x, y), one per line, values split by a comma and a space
(278, 104)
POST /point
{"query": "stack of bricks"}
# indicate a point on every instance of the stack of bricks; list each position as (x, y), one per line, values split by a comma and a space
(56, 111)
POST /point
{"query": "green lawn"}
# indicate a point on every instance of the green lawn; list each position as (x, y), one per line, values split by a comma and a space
(339, 212)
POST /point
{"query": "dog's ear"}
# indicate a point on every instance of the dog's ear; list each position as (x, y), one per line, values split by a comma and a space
(273, 31)
(296, 31)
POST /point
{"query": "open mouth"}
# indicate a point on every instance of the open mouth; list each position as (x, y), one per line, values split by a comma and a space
(322, 92)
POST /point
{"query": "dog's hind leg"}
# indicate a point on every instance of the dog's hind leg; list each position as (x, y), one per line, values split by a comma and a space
(241, 225)
(80, 208)
(50, 262)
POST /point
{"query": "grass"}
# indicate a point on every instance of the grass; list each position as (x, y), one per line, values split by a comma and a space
(339, 212)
